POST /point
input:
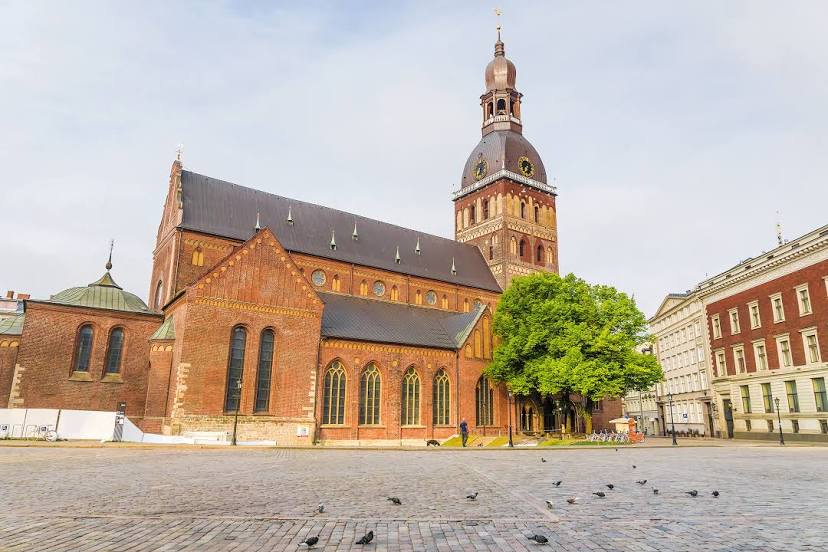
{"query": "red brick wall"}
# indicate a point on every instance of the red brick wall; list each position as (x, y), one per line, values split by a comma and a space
(9, 346)
(46, 357)
(814, 276)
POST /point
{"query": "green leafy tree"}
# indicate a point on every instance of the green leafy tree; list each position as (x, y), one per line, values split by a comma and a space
(561, 336)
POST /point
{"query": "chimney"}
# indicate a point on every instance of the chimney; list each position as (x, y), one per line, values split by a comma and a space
(10, 294)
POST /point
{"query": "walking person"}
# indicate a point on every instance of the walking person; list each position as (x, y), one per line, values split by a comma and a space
(464, 431)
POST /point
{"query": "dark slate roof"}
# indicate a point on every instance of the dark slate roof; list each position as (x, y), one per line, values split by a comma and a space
(347, 317)
(225, 209)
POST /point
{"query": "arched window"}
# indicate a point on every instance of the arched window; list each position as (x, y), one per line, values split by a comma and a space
(114, 350)
(490, 110)
(513, 246)
(485, 209)
(444, 302)
(235, 369)
(487, 339)
(159, 295)
(539, 254)
(395, 293)
(441, 399)
(491, 252)
(465, 305)
(83, 348)
(501, 106)
(537, 214)
(522, 248)
(478, 344)
(418, 298)
(264, 373)
(522, 210)
(472, 213)
(410, 398)
(363, 288)
(336, 285)
(484, 396)
(369, 396)
(333, 395)
(548, 255)
(198, 257)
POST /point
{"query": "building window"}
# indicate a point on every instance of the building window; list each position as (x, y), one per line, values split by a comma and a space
(198, 257)
(465, 305)
(410, 398)
(369, 396)
(484, 396)
(333, 395)
(83, 349)
(721, 364)
(819, 394)
(522, 248)
(793, 398)
(318, 278)
(114, 351)
(485, 209)
(767, 397)
(537, 214)
(441, 399)
(513, 246)
(770, 426)
(431, 298)
(418, 297)
(760, 355)
(539, 254)
(336, 285)
(739, 359)
(783, 346)
(755, 317)
(472, 213)
(363, 288)
(395, 293)
(159, 295)
(235, 368)
(522, 210)
(823, 426)
(747, 425)
(491, 252)
(379, 288)
(734, 322)
(444, 302)
(778, 308)
(809, 340)
(717, 326)
(745, 391)
(264, 373)
(795, 426)
(803, 299)
(487, 339)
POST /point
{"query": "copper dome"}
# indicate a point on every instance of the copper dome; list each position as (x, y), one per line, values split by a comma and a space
(500, 72)
(502, 149)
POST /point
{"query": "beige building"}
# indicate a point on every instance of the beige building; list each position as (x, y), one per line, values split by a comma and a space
(682, 349)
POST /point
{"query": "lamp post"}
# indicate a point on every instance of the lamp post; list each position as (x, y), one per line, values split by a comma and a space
(510, 420)
(779, 420)
(672, 420)
(236, 415)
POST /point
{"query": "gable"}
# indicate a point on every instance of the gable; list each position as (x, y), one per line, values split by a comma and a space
(670, 301)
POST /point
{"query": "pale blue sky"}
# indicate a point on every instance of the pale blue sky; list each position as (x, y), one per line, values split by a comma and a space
(674, 131)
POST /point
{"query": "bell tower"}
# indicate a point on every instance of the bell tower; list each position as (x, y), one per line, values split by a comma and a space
(504, 204)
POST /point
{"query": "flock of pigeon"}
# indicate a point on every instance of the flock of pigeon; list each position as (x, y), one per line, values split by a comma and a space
(539, 539)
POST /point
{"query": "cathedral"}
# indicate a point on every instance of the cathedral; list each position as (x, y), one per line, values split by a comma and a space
(302, 322)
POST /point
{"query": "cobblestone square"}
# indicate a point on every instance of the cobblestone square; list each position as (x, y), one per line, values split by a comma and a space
(248, 500)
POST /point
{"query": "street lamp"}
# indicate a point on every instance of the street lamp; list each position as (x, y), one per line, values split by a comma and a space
(672, 420)
(779, 420)
(510, 420)
(236, 416)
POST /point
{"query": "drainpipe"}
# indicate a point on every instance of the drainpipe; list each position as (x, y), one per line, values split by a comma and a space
(316, 421)
(457, 388)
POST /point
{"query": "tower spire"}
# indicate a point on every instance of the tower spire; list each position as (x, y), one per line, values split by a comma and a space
(499, 49)
(109, 262)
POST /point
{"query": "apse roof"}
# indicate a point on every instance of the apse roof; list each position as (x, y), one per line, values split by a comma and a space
(101, 294)
(229, 210)
(347, 317)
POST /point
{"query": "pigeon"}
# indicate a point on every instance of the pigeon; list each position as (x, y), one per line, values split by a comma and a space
(610, 486)
(715, 493)
(600, 494)
(633, 466)
(543, 459)
(616, 450)
(642, 481)
(694, 493)
(655, 491)
(472, 496)
(572, 499)
(368, 537)
(557, 483)
(309, 542)
(321, 508)
(540, 539)
(395, 500)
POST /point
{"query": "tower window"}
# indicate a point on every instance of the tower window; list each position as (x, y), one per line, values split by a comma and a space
(491, 252)
(537, 214)
(522, 249)
(539, 254)
(489, 110)
(522, 210)
(472, 214)
(501, 106)
(485, 209)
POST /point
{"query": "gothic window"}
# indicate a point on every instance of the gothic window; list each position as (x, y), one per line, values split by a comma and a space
(198, 257)
(395, 293)
(484, 399)
(159, 295)
(444, 303)
(363, 288)
(410, 398)
(418, 298)
(487, 339)
(472, 213)
(441, 400)
(465, 305)
(491, 252)
(114, 351)
(333, 395)
(548, 255)
(539, 254)
(513, 246)
(235, 368)
(265, 371)
(522, 248)
(478, 344)
(501, 106)
(369, 396)
(83, 348)
(537, 214)
(522, 210)
(336, 285)
(485, 209)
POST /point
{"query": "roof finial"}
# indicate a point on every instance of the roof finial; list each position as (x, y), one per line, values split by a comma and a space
(178, 151)
(397, 258)
(258, 225)
(333, 240)
(355, 235)
(417, 249)
(453, 267)
(499, 50)
(109, 262)
(290, 215)
(779, 239)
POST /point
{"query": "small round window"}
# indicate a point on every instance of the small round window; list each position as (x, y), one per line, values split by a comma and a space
(379, 288)
(431, 298)
(318, 277)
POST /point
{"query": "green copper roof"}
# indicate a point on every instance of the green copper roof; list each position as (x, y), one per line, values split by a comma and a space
(101, 294)
(11, 324)
(166, 331)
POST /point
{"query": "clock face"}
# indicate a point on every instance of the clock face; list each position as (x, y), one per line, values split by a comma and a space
(481, 169)
(526, 167)
(318, 278)
(379, 288)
